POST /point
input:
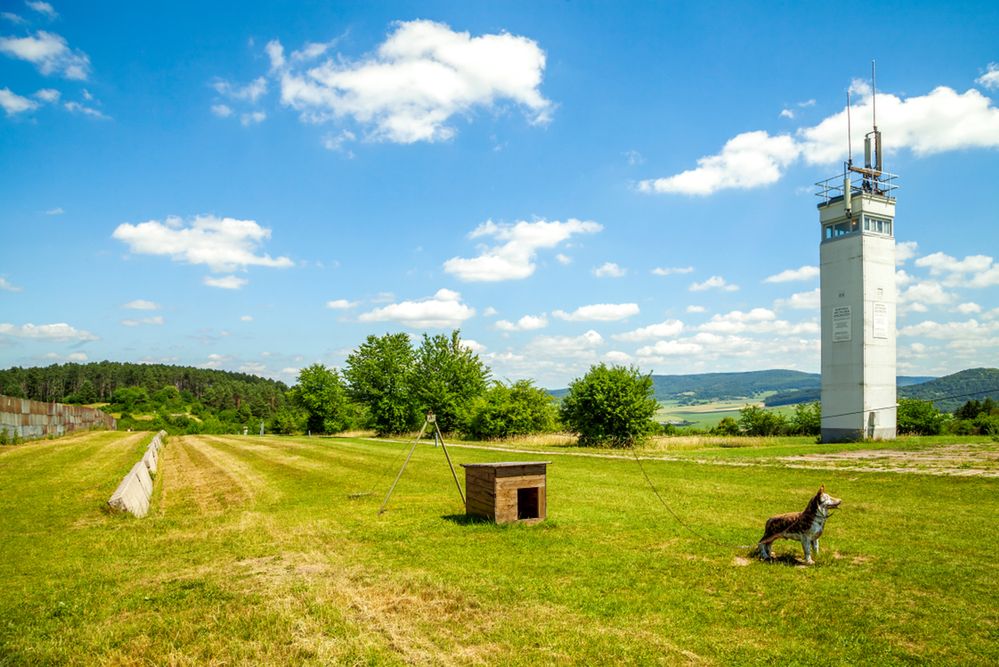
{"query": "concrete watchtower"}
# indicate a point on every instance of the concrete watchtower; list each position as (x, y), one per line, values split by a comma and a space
(857, 287)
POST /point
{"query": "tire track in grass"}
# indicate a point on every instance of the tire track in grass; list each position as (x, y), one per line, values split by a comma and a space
(192, 478)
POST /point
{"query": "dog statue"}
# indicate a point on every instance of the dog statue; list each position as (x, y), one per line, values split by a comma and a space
(806, 527)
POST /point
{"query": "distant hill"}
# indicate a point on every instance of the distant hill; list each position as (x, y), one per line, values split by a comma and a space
(950, 392)
(779, 386)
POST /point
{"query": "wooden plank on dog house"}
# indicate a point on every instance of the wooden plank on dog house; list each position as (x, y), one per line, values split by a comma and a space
(508, 491)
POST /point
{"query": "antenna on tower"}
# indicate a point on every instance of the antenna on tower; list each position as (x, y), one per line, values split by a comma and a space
(849, 131)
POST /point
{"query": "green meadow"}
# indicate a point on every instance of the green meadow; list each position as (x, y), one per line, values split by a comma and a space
(270, 550)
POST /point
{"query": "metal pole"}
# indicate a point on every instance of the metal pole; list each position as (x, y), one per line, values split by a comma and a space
(449, 464)
(401, 470)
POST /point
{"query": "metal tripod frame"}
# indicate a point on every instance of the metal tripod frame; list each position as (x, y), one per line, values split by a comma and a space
(431, 419)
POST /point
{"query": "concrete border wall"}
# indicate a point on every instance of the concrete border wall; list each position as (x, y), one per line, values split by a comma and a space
(35, 419)
(135, 490)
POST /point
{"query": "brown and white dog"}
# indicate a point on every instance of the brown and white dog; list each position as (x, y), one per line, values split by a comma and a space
(806, 527)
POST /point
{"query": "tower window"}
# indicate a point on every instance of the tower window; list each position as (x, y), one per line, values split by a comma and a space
(877, 225)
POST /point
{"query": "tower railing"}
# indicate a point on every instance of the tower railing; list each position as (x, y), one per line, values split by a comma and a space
(833, 187)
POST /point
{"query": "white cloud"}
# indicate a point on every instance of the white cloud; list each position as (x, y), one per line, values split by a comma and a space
(562, 259)
(473, 345)
(48, 94)
(525, 323)
(246, 318)
(599, 312)
(43, 8)
(634, 157)
(252, 118)
(810, 300)
(696, 309)
(6, 286)
(905, 251)
(443, 310)
(13, 18)
(941, 120)
(49, 52)
(489, 312)
(926, 292)
(76, 107)
(669, 348)
(14, 104)
(665, 329)
(968, 308)
(983, 269)
(251, 92)
(340, 304)
(789, 275)
(757, 321)
(990, 79)
(338, 142)
(222, 244)
(55, 211)
(57, 332)
(786, 113)
(970, 330)
(156, 320)
(748, 160)
(671, 270)
(513, 259)
(609, 270)
(221, 110)
(417, 80)
(618, 357)
(142, 304)
(573, 347)
(225, 282)
(714, 282)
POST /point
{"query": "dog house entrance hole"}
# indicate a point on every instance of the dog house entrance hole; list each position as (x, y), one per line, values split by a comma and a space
(527, 503)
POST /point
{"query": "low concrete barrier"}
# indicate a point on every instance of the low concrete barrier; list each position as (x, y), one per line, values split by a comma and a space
(135, 490)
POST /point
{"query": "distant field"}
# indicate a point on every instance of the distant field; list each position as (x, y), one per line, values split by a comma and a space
(707, 415)
(255, 553)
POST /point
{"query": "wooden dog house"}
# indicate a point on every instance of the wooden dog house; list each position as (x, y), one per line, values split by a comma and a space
(505, 492)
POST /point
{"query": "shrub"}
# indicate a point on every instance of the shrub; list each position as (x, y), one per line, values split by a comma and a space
(754, 420)
(727, 426)
(918, 417)
(610, 406)
(807, 419)
(518, 409)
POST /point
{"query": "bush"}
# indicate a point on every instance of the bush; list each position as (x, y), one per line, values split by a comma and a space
(610, 406)
(518, 409)
(807, 419)
(917, 417)
(754, 420)
(727, 426)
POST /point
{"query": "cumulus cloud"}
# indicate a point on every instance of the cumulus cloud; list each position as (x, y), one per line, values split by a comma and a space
(990, 79)
(968, 308)
(252, 118)
(748, 160)
(416, 81)
(6, 286)
(983, 270)
(514, 257)
(525, 323)
(155, 320)
(443, 310)
(789, 275)
(671, 270)
(225, 282)
(714, 282)
(757, 321)
(669, 348)
(222, 244)
(55, 332)
(340, 304)
(49, 53)
(924, 292)
(609, 270)
(941, 120)
(222, 110)
(43, 8)
(251, 92)
(905, 251)
(599, 312)
(575, 347)
(141, 304)
(76, 107)
(14, 104)
(563, 259)
(810, 300)
(696, 309)
(665, 329)
(246, 318)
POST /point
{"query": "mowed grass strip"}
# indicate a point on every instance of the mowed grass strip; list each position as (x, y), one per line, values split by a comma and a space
(256, 552)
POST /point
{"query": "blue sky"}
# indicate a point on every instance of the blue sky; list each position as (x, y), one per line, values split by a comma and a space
(258, 188)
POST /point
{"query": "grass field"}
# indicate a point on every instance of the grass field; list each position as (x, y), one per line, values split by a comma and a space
(707, 415)
(255, 553)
